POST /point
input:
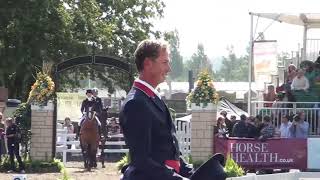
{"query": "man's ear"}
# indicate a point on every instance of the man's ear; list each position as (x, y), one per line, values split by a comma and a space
(147, 63)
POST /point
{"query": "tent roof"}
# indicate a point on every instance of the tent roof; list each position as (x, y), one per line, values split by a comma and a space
(312, 20)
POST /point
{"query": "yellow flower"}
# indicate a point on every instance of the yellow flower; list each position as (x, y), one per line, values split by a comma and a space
(204, 91)
(42, 90)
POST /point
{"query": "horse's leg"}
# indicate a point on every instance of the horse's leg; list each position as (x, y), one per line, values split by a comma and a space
(89, 164)
(102, 154)
(84, 149)
(94, 156)
(93, 161)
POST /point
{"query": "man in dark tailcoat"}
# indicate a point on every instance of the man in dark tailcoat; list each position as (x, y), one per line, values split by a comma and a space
(146, 122)
(98, 101)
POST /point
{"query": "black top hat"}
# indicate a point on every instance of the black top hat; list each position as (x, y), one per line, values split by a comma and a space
(212, 169)
(89, 91)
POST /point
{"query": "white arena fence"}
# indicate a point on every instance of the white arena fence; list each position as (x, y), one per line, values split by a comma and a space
(311, 110)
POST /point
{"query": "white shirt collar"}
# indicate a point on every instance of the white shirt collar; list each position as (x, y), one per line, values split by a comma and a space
(150, 87)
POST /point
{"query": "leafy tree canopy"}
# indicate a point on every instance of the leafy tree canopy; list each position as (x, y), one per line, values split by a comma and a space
(38, 31)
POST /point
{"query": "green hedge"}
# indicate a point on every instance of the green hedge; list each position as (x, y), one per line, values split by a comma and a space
(33, 166)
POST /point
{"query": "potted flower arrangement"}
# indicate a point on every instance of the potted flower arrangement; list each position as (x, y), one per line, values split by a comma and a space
(204, 95)
(42, 91)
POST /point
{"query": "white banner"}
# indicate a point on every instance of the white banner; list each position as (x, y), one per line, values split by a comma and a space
(265, 62)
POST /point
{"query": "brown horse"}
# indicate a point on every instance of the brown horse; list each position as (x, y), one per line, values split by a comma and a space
(89, 140)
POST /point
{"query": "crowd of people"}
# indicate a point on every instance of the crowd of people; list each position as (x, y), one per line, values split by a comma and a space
(261, 127)
(300, 85)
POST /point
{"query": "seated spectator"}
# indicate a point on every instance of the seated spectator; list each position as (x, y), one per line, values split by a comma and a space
(269, 96)
(240, 128)
(252, 129)
(70, 129)
(285, 126)
(300, 82)
(220, 129)
(310, 73)
(67, 124)
(112, 127)
(291, 74)
(299, 127)
(268, 129)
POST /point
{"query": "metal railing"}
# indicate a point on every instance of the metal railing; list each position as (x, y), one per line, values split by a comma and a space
(183, 131)
(279, 108)
(313, 47)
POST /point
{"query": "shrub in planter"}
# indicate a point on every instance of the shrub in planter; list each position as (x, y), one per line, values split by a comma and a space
(232, 168)
(123, 162)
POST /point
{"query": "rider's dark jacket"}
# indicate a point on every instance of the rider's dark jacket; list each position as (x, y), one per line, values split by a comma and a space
(98, 105)
(86, 104)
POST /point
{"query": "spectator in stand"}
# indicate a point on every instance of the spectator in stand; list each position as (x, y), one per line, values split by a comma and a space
(299, 127)
(70, 129)
(269, 96)
(233, 120)
(258, 122)
(268, 130)
(285, 126)
(67, 124)
(277, 105)
(252, 129)
(220, 129)
(113, 128)
(310, 73)
(228, 123)
(300, 82)
(240, 128)
(292, 72)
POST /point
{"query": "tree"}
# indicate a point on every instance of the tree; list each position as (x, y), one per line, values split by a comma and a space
(199, 61)
(38, 31)
(177, 67)
(233, 68)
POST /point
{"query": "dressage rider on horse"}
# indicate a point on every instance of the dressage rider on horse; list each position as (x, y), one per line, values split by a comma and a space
(90, 102)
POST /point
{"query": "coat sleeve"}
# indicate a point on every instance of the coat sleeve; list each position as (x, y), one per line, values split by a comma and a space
(82, 107)
(136, 120)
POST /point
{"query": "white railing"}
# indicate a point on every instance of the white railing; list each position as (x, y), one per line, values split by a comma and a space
(313, 46)
(279, 108)
(183, 131)
(62, 144)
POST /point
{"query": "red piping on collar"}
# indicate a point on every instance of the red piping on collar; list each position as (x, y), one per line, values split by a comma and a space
(144, 89)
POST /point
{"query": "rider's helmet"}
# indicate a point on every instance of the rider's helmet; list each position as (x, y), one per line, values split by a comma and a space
(89, 91)
(95, 91)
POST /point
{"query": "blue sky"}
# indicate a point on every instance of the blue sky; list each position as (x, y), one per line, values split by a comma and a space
(220, 23)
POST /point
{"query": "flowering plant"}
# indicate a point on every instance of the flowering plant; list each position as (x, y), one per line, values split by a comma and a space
(42, 90)
(204, 92)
